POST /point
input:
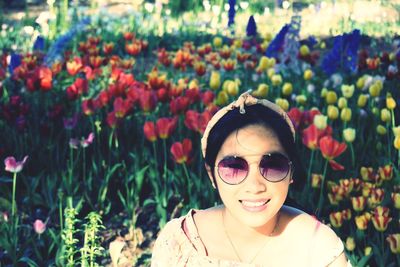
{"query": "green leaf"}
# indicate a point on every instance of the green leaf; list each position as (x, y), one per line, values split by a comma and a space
(5, 179)
(140, 177)
(28, 261)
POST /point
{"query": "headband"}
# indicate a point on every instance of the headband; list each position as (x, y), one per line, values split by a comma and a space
(245, 99)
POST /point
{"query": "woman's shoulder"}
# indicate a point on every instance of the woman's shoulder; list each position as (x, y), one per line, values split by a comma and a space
(309, 225)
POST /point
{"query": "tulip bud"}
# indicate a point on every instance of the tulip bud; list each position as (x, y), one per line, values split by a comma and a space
(39, 226)
(342, 103)
(331, 97)
(263, 64)
(394, 243)
(350, 243)
(276, 79)
(336, 219)
(396, 131)
(301, 99)
(361, 222)
(385, 115)
(360, 82)
(390, 103)
(347, 90)
(222, 98)
(374, 90)
(396, 200)
(316, 180)
(345, 114)
(262, 90)
(396, 142)
(283, 103)
(217, 41)
(320, 121)
(362, 100)
(287, 89)
(380, 129)
(308, 74)
(232, 88)
(304, 50)
(270, 72)
(333, 112)
(349, 135)
(215, 80)
(367, 251)
(358, 203)
(324, 91)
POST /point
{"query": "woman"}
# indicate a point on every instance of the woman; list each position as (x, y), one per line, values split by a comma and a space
(250, 158)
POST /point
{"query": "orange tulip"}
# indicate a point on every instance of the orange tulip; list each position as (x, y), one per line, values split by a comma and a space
(331, 149)
(74, 66)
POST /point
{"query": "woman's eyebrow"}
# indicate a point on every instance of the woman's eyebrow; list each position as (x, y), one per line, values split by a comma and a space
(254, 154)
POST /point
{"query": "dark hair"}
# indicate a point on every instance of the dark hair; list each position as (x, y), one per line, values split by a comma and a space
(255, 115)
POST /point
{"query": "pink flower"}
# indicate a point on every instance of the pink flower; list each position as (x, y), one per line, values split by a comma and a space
(86, 142)
(14, 166)
(39, 226)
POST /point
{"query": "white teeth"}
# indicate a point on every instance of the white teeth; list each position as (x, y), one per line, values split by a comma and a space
(253, 204)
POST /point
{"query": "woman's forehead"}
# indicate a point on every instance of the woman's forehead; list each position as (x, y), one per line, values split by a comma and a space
(253, 139)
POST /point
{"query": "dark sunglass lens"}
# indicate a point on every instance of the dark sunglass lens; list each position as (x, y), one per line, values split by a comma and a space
(274, 167)
(233, 169)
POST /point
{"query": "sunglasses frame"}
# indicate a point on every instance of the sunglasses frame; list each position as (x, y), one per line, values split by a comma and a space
(290, 163)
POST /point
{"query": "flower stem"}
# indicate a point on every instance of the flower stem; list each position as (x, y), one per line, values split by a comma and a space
(189, 182)
(13, 207)
(310, 168)
(321, 197)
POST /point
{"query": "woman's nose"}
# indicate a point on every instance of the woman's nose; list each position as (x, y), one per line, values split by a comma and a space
(255, 182)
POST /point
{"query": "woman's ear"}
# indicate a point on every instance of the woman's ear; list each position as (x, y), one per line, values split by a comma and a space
(210, 175)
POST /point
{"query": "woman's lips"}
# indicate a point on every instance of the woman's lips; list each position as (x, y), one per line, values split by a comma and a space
(254, 205)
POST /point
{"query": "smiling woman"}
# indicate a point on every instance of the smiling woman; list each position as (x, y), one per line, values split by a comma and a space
(251, 160)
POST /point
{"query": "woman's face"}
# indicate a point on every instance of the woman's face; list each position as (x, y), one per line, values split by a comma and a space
(254, 201)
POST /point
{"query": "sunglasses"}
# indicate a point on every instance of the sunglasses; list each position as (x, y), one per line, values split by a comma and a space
(273, 167)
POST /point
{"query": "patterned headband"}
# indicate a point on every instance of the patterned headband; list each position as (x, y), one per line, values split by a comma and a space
(245, 99)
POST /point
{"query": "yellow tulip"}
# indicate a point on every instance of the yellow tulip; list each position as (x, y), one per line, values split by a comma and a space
(215, 80)
(350, 243)
(268, 37)
(263, 64)
(385, 115)
(362, 100)
(237, 43)
(396, 200)
(276, 79)
(345, 114)
(347, 90)
(367, 251)
(193, 84)
(396, 131)
(380, 129)
(396, 142)
(333, 112)
(390, 103)
(232, 88)
(331, 97)
(320, 121)
(308, 74)
(304, 50)
(301, 99)
(287, 89)
(271, 62)
(270, 72)
(262, 90)
(374, 90)
(217, 41)
(349, 135)
(324, 91)
(283, 103)
(342, 103)
(322, 45)
(222, 98)
(360, 82)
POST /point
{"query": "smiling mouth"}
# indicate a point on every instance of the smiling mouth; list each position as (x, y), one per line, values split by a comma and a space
(254, 204)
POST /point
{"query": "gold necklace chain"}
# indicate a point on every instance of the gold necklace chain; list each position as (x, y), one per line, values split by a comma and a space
(262, 247)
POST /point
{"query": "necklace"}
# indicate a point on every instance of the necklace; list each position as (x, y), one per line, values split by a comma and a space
(262, 247)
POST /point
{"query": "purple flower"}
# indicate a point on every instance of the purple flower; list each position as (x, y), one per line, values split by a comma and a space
(251, 29)
(231, 12)
(74, 143)
(70, 123)
(14, 166)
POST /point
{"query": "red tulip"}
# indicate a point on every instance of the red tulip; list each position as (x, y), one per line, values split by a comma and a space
(88, 106)
(108, 48)
(181, 151)
(207, 97)
(150, 131)
(311, 136)
(46, 78)
(112, 120)
(147, 100)
(197, 121)
(330, 149)
(121, 107)
(165, 126)
(133, 49)
(179, 105)
(295, 115)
